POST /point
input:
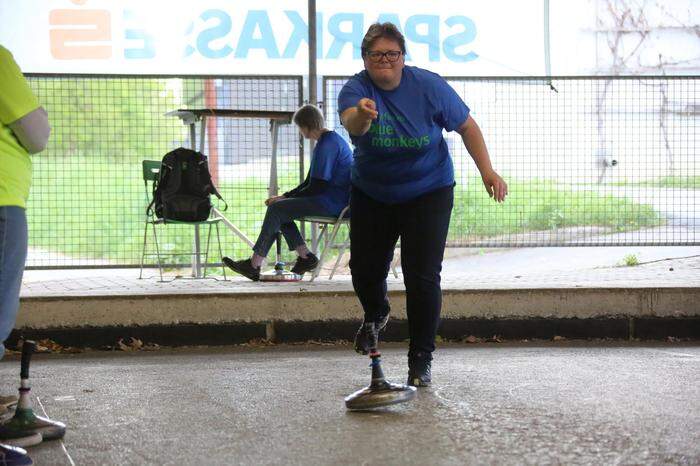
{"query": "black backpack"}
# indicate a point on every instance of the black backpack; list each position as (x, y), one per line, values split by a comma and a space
(183, 188)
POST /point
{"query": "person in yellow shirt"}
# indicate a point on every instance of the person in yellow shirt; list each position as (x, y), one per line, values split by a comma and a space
(24, 130)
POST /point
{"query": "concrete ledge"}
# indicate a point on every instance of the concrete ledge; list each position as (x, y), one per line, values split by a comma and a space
(233, 318)
(397, 330)
(44, 313)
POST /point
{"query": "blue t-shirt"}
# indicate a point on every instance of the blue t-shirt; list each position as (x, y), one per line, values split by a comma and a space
(331, 161)
(404, 155)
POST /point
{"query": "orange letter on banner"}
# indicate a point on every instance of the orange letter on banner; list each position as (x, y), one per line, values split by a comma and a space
(61, 39)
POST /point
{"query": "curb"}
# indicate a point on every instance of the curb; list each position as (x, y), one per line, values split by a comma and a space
(621, 328)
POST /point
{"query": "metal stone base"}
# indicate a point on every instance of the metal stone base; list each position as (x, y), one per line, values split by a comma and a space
(380, 395)
(280, 276)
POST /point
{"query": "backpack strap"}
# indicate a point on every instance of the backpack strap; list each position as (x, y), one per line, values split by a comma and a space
(165, 170)
(149, 209)
(215, 192)
(203, 163)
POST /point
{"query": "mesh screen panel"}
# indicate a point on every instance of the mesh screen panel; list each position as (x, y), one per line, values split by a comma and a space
(590, 161)
(88, 201)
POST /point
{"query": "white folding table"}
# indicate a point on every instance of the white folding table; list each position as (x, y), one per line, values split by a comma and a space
(191, 117)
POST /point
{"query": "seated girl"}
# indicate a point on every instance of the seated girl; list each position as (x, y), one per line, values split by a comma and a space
(324, 192)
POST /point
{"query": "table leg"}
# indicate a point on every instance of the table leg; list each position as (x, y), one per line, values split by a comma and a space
(197, 259)
(196, 246)
(233, 228)
(273, 188)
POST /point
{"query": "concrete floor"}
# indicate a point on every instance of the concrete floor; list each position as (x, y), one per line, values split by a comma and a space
(526, 403)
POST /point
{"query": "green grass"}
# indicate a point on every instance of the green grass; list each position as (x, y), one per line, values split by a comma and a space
(687, 182)
(94, 210)
(684, 182)
(630, 260)
(97, 211)
(88, 200)
(538, 205)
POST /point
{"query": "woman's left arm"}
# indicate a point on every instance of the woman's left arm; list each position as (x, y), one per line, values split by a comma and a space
(476, 146)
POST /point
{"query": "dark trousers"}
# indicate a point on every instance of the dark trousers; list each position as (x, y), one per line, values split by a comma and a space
(280, 216)
(422, 225)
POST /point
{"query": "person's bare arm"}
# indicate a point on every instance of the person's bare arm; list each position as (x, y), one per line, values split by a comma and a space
(476, 146)
(32, 130)
(358, 119)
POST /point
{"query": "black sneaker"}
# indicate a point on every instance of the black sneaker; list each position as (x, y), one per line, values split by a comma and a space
(419, 369)
(244, 267)
(368, 334)
(301, 266)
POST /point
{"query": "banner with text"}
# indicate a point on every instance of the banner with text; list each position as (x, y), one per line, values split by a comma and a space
(457, 38)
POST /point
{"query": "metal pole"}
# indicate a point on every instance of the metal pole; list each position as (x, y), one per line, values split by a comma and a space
(197, 262)
(212, 153)
(273, 188)
(312, 53)
(202, 133)
(313, 95)
(233, 227)
(547, 51)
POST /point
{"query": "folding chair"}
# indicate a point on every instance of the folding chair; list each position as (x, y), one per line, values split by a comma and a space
(324, 223)
(151, 170)
(330, 243)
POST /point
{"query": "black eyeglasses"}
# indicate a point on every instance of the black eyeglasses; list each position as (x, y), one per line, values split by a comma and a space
(391, 55)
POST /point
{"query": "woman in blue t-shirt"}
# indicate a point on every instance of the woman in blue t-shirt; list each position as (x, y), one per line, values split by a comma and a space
(402, 186)
(324, 192)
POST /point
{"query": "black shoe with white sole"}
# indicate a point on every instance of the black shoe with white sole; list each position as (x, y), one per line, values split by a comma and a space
(419, 369)
(301, 266)
(243, 267)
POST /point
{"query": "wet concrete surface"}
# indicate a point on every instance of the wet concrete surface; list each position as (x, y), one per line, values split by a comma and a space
(498, 403)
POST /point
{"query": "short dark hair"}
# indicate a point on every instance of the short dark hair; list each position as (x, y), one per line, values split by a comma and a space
(386, 30)
(309, 117)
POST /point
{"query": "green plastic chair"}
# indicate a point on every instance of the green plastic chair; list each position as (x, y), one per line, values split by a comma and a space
(150, 173)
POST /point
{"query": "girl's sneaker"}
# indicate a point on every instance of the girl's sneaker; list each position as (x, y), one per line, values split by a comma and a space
(301, 266)
(244, 267)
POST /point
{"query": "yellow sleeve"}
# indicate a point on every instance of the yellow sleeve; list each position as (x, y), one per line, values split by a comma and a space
(16, 97)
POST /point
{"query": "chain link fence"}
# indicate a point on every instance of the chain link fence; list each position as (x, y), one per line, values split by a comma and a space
(88, 200)
(590, 161)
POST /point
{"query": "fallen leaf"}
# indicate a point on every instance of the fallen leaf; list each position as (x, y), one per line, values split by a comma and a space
(255, 342)
(73, 350)
(133, 344)
(48, 346)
